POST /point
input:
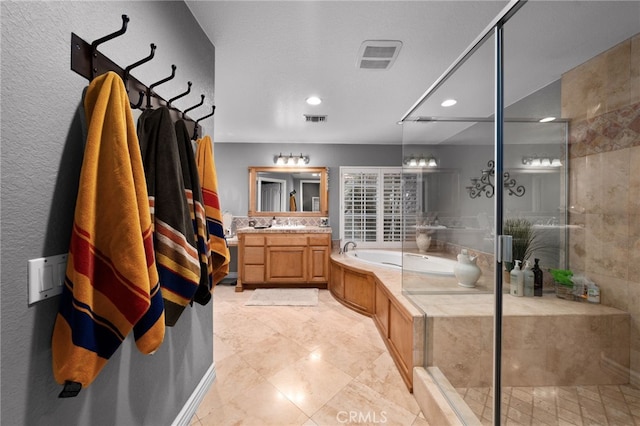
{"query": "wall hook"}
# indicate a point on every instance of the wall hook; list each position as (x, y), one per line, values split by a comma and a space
(180, 95)
(128, 69)
(158, 83)
(96, 43)
(196, 127)
(139, 103)
(184, 113)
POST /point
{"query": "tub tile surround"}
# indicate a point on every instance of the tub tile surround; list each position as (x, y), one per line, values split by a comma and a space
(602, 100)
(546, 341)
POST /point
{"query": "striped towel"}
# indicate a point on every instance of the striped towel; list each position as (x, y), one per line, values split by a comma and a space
(196, 209)
(173, 237)
(208, 179)
(111, 283)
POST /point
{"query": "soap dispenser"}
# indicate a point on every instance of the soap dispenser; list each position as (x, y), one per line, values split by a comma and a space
(517, 283)
(537, 279)
(528, 279)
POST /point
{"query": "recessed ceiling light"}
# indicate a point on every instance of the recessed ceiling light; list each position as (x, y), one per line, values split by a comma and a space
(314, 100)
(449, 102)
(547, 119)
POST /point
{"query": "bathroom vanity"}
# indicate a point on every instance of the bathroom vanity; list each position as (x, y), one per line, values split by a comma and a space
(283, 257)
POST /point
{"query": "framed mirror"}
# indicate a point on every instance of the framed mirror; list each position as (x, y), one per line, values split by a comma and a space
(286, 191)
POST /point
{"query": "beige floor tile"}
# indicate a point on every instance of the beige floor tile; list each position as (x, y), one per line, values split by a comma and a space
(261, 404)
(383, 377)
(272, 354)
(233, 377)
(356, 403)
(310, 383)
(348, 353)
(221, 350)
(420, 421)
(281, 365)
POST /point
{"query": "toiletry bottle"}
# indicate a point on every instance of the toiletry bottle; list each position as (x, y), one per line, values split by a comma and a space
(527, 277)
(537, 279)
(517, 284)
(273, 221)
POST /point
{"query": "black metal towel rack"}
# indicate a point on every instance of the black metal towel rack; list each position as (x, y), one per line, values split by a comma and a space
(87, 61)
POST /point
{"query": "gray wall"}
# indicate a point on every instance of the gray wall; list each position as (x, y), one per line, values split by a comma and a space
(234, 159)
(41, 156)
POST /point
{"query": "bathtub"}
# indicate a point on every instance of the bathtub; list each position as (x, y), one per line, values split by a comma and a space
(426, 264)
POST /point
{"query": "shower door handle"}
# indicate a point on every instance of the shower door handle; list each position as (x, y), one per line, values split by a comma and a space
(505, 251)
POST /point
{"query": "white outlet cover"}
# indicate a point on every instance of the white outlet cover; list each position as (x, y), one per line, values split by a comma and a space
(46, 277)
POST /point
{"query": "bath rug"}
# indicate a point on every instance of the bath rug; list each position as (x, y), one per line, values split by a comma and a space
(283, 297)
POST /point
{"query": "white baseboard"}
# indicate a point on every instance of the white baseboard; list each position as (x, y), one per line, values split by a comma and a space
(189, 409)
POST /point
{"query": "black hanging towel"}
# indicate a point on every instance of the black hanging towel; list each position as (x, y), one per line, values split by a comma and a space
(174, 240)
(193, 193)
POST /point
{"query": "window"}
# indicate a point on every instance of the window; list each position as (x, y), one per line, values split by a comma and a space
(378, 205)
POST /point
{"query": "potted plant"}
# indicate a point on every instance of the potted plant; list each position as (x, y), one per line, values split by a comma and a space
(523, 242)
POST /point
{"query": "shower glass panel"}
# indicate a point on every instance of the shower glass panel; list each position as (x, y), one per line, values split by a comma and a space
(460, 141)
(568, 184)
(569, 360)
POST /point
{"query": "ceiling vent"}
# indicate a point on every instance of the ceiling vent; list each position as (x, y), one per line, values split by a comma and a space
(315, 118)
(378, 54)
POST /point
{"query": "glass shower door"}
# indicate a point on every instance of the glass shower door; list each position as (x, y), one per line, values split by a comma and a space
(450, 146)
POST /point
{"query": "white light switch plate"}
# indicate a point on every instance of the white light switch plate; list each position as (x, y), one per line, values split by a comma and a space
(46, 277)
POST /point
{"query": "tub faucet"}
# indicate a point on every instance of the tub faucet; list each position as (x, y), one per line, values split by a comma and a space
(346, 246)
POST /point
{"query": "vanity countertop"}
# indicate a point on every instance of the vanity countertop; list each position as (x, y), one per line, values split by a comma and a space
(287, 230)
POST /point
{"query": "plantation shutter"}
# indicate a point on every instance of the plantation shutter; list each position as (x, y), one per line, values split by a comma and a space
(360, 206)
(379, 205)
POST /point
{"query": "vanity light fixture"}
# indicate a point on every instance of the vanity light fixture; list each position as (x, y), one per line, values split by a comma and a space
(291, 160)
(313, 100)
(541, 161)
(448, 102)
(421, 161)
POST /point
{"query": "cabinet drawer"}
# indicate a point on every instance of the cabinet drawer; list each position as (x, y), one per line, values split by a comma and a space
(287, 240)
(253, 274)
(254, 240)
(319, 239)
(254, 255)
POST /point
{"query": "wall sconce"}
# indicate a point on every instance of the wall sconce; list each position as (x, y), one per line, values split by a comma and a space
(485, 184)
(291, 160)
(536, 161)
(429, 161)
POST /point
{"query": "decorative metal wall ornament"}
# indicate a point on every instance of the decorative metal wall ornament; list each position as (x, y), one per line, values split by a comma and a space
(484, 184)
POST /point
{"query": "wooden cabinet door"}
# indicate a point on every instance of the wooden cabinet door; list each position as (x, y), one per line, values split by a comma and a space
(318, 264)
(381, 314)
(286, 264)
(401, 336)
(360, 291)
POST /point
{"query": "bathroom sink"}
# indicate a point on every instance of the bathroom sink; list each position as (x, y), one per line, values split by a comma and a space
(288, 227)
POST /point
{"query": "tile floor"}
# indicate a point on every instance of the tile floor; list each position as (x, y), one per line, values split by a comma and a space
(610, 405)
(282, 365)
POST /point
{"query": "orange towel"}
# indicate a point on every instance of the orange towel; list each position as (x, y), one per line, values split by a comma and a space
(209, 182)
(111, 284)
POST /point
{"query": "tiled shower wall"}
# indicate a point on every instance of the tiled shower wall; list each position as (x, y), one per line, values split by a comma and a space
(601, 98)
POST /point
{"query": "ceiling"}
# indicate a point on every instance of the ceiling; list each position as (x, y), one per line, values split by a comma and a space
(272, 55)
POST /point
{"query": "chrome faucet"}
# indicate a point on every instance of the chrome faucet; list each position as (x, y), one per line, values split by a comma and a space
(346, 246)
